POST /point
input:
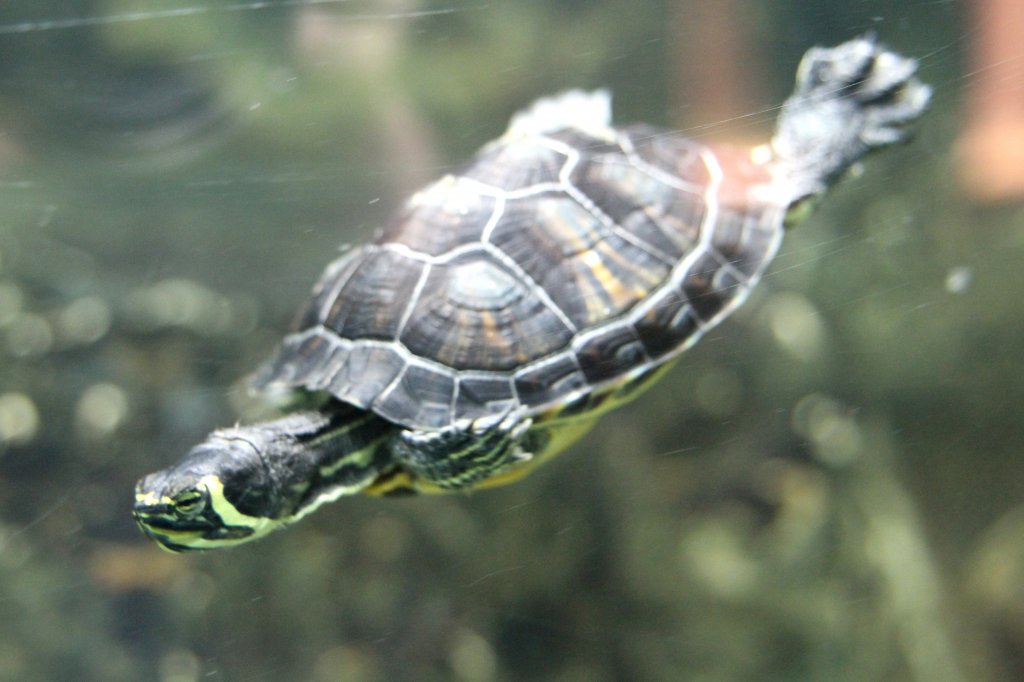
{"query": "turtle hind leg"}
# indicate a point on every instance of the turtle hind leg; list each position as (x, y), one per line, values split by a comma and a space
(848, 100)
(460, 456)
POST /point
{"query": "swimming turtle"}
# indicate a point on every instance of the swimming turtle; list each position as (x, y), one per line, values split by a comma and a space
(515, 300)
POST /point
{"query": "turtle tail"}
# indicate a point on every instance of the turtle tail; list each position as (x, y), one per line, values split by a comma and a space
(848, 100)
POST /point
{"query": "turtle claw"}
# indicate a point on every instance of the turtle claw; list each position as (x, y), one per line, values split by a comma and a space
(481, 425)
(887, 73)
(900, 105)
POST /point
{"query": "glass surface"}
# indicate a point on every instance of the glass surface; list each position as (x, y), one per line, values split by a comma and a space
(827, 487)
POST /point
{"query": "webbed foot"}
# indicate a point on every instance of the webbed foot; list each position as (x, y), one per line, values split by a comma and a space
(466, 452)
(848, 100)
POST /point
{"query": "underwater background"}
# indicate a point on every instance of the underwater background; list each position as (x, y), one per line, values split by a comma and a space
(828, 487)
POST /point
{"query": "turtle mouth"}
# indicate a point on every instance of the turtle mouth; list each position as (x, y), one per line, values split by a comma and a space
(167, 534)
(171, 532)
(163, 519)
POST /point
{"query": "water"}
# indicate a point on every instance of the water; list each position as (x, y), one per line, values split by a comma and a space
(827, 487)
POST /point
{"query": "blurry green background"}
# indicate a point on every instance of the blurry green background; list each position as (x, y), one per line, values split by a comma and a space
(828, 487)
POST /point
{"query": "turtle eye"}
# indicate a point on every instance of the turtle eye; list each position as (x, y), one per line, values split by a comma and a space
(189, 503)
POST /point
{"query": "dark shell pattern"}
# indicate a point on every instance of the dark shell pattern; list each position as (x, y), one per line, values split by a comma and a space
(551, 265)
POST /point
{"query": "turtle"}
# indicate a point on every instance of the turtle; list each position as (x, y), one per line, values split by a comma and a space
(510, 304)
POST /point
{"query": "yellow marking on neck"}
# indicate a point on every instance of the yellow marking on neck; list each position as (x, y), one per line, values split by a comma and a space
(230, 516)
(362, 457)
(191, 540)
(328, 496)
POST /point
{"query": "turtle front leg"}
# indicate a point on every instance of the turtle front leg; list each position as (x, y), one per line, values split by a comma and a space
(463, 454)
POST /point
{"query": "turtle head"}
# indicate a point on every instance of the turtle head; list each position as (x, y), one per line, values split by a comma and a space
(220, 494)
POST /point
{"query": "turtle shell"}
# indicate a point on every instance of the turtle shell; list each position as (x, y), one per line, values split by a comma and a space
(561, 259)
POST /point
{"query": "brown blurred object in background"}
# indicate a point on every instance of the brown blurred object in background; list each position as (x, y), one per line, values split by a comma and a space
(711, 67)
(991, 145)
(370, 48)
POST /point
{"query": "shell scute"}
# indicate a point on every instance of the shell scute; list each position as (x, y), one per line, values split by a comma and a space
(586, 144)
(306, 359)
(325, 291)
(745, 240)
(588, 270)
(480, 396)
(370, 303)
(626, 194)
(709, 286)
(422, 395)
(549, 381)
(665, 323)
(679, 158)
(363, 372)
(451, 202)
(610, 353)
(512, 165)
(503, 325)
